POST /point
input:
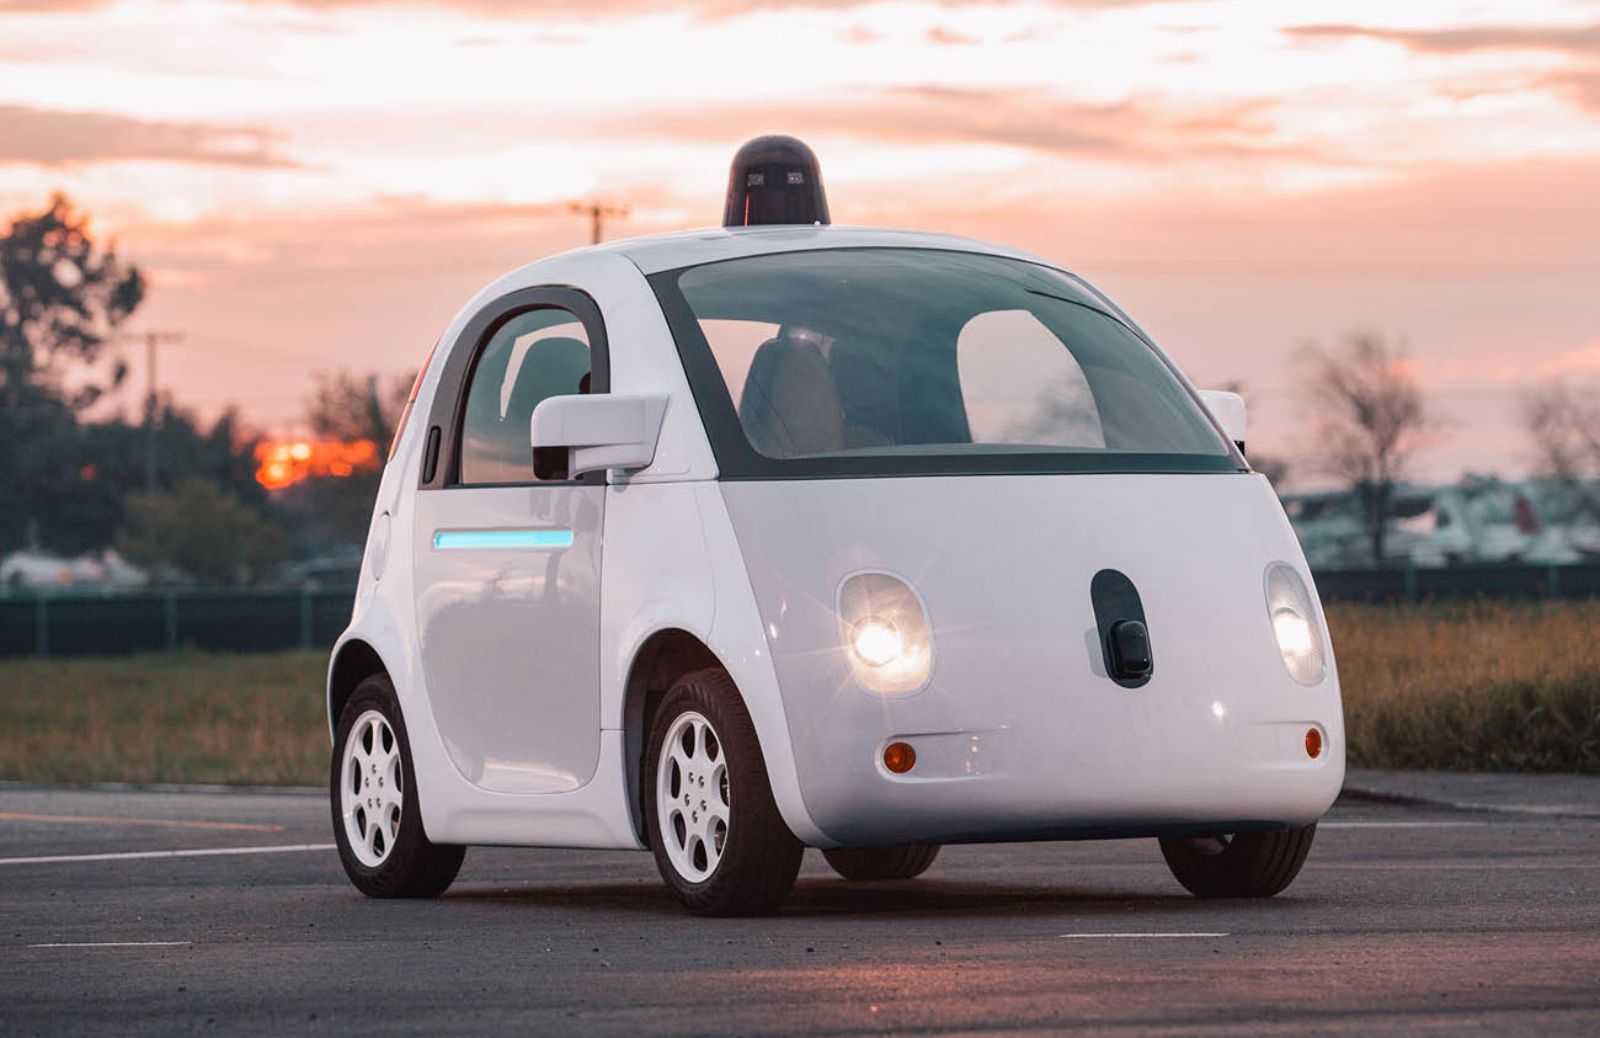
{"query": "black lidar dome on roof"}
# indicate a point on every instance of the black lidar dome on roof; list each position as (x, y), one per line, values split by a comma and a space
(775, 180)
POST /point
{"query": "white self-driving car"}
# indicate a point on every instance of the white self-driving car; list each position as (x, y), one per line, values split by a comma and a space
(734, 542)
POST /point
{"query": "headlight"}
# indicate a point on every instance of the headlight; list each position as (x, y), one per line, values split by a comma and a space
(876, 643)
(885, 633)
(1294, 624)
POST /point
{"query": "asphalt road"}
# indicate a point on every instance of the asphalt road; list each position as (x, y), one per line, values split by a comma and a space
(1406, 919)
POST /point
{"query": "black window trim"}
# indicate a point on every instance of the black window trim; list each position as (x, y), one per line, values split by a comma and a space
(450, 402)
(738, 460)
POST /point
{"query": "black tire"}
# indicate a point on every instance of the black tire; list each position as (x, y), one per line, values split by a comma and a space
(759, 856)
(869, 863)
(413, 866)
(1255, 864)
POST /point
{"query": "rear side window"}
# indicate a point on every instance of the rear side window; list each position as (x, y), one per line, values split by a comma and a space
(534, 355)
(1052, 406)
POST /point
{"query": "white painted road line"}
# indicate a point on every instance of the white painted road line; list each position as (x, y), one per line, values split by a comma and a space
(1125, 936)
(202, 852)
(1448, 866)
(1400, 825)
(173, 823)
(115, 944)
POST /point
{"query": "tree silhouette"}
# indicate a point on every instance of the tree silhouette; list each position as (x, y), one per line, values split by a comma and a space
(347, 408)
(1564, 422)
(1369, 419)
(61, 300)
(200, 532)
(332, 511)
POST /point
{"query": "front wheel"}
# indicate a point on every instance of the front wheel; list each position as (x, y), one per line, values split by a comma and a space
(871, 863)
(1254, 864)
(719, 841)
(373, 790)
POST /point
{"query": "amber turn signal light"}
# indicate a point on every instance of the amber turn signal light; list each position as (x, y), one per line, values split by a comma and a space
(899, 757)
(1313, 743)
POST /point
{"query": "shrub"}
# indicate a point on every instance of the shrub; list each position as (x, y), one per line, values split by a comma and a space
(1471, 686)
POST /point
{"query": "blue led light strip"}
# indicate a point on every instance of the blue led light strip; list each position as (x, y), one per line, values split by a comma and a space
(502, 539)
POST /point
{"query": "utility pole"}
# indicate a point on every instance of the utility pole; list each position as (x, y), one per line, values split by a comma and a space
(151, 341)
(597, 212)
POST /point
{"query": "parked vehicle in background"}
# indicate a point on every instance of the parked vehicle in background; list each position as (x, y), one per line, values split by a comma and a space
(1478, 520)
(335, 570)
(40, 571)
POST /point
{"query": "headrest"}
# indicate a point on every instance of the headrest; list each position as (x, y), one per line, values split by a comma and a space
(868, 392)
(790, 406)
(552, 367)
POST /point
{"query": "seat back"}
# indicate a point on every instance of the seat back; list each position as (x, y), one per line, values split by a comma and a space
(790, 406)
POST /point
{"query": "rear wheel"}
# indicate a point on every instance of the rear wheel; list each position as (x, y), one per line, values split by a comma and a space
(719, 841)
(883, 862)
(1254, 864)
(373, 792)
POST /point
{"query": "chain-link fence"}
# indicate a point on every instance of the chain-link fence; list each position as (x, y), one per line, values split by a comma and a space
(1415, 584)
(65, 624)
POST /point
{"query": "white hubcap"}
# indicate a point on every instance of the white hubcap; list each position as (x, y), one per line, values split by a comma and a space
(370, 795)
(692, 797)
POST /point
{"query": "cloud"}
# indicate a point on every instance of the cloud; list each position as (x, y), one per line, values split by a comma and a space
(50, 6)
(860, 34)
(1582, 87)
(1577, 39)
(948, 37)
(48, 137)
(1034, 120)
(1583, 360)
(587, 10)
(1143, 133)
(1019, 118)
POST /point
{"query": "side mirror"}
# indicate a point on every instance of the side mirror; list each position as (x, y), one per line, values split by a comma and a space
(1228, 409)
(572, 435)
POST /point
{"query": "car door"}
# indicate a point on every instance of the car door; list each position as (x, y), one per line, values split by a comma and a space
(507, 566)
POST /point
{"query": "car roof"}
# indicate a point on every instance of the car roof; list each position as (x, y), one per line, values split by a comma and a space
(655, 253)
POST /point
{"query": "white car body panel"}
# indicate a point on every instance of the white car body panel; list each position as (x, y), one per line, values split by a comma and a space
(509, 709)
(660, 252)
(684, 552)
(1019, 730)
(674, 563)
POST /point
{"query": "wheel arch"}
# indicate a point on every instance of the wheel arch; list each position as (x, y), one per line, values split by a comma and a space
(661, 659)
(353, 662)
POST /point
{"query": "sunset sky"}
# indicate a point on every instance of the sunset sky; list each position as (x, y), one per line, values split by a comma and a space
(321, 184)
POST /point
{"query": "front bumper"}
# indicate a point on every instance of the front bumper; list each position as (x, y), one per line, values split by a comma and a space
(1019, 782)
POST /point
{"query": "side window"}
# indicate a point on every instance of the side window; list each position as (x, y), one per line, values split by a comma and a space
(734, 344)
(536, 354)
(1052, 406)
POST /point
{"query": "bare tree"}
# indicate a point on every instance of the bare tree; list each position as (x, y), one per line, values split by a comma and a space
(346, 407)
(1369, 419)
(1565, 426)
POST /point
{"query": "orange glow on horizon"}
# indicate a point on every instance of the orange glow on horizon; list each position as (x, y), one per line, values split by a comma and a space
(283, 463)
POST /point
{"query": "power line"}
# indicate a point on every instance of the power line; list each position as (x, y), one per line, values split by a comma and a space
(597, 212)
(152, 339)
(1511, 391)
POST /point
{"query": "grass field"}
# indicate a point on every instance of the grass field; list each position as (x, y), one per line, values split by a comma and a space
(1461, 686)
(1471, 686)
(184, 717)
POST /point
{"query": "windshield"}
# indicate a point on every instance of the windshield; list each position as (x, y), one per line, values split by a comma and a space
(889, 361)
